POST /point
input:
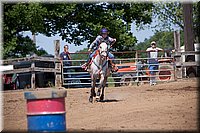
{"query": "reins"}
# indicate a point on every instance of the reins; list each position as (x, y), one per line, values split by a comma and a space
(100, 68)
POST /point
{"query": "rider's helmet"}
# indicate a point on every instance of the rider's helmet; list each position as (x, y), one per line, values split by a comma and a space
(104, 30)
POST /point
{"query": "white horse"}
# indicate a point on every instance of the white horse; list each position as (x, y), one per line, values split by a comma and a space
(99, 68)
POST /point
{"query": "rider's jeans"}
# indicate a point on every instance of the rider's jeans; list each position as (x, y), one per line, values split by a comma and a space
(110, 55)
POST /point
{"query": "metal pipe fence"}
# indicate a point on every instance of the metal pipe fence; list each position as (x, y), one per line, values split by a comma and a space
(128, 73)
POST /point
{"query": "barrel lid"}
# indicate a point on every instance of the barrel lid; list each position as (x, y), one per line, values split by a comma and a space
(45, 94)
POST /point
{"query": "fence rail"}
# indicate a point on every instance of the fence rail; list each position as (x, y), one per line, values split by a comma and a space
(30, 65)
(128, 73)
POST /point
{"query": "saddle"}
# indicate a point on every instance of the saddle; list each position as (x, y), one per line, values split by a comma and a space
(96, 53)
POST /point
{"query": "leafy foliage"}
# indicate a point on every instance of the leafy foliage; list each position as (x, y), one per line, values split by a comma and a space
(17, 19)
(170, 14)
(197, 20)
(164, 40)
(80, 56)
(74, 22)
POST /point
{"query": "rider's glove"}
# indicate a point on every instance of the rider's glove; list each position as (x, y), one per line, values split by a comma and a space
(89, 50)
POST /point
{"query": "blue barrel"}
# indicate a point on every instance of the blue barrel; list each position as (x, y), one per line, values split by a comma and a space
(47, 123)
(46, 111)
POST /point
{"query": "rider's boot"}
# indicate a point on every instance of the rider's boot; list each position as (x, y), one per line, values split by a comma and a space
(114, 68)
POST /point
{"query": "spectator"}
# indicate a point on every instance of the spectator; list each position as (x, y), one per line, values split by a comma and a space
(64, 56)
(153, 61)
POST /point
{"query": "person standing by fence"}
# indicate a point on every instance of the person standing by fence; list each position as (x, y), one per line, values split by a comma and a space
(64, 56)
(153, 61)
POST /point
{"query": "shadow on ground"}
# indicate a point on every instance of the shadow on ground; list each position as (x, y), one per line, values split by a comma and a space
(110, 100)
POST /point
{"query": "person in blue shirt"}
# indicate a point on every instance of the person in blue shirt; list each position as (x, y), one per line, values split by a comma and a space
(103, 37)
(64, 56)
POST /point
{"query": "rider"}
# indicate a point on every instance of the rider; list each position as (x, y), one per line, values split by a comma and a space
(95, 44)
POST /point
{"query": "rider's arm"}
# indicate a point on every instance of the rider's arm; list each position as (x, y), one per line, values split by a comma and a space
(111, 40)
(95, 42)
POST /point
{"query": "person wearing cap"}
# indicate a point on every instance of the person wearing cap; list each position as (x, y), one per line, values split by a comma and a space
(153, 61)
(103, 37)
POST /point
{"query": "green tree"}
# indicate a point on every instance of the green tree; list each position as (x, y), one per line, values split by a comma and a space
(17, 19)
(41, 51)
(80, 55)
(75, 23)
(164, 40)
(90, 18)
(196, 12)
(170, 14)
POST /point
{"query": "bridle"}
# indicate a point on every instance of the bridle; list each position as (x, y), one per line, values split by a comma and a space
(103, 58)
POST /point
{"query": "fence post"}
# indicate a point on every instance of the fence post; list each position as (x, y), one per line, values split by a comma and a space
(175, 69)
(58, 81)
(33, 75)
(177, 40)
(183, 68)
(136, 63)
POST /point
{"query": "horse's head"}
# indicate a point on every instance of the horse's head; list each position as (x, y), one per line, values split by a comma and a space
(103, 49)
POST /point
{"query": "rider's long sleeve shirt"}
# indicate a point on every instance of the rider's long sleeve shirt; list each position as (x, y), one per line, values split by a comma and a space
(94, 45)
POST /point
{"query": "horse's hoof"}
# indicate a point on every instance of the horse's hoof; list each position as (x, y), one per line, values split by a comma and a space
(91, 99)
(101, 98)
(97, 98)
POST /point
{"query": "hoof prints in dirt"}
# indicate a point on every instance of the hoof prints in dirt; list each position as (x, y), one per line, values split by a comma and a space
(188, 88)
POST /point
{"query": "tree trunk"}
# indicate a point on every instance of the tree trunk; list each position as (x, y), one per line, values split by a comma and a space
(188, 27)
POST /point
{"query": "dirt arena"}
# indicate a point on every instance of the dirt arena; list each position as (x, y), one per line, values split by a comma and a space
(168, 106)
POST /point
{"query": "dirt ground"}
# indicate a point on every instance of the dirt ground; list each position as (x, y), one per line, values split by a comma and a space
(168, 106)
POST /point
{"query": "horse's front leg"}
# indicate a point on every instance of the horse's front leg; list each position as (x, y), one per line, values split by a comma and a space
(92, 91)
(103, 87)
(99, 87)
